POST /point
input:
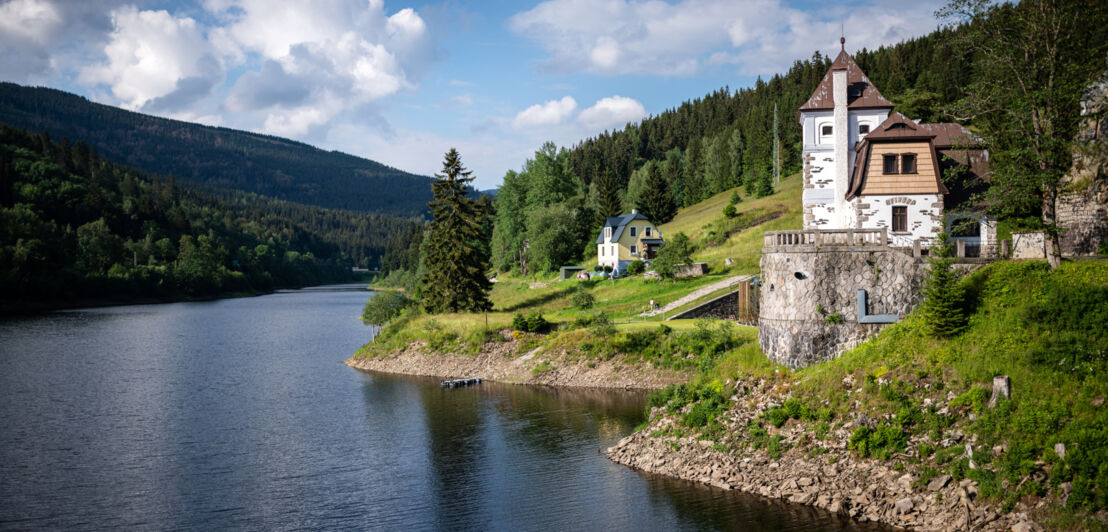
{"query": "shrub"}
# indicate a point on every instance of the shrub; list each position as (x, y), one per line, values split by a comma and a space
(583, 300)
(735, 197)
(383, 307)
(533, 322)
(777, 416)
(636, 267)
(881, 442)
(730, 212)
(975, 398)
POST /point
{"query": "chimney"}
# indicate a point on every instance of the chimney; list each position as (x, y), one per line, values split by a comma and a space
(634, 211)
(842, 135)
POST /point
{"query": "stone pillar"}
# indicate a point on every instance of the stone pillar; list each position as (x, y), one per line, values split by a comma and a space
(916, 249)
(960, 245)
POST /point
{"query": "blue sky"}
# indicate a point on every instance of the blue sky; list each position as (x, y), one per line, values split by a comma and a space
(402, 82)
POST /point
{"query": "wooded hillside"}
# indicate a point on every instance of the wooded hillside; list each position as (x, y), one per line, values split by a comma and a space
(238, 160)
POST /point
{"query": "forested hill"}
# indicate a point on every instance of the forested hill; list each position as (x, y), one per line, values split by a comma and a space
(75, 227)
(238, 160)
(725, 138)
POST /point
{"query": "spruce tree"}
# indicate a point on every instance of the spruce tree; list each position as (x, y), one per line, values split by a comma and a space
(944, 298)
(608, 203)
(455, 253)
(655, 201)
(765, 185)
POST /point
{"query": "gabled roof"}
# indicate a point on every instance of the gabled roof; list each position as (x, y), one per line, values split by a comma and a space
(860, 93)
(617, 223)
(897, 128)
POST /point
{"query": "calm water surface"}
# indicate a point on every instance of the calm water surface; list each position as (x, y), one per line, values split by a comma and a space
(239, 414)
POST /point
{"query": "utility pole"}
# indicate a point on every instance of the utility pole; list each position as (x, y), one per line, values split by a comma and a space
(776, 148)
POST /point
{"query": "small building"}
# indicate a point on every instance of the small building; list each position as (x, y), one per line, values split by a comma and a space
(867, 167)
(627, 238)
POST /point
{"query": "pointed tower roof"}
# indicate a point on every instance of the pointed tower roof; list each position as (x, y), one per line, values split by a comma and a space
(860, 92)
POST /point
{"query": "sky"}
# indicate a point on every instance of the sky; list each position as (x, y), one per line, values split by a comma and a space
(403, 82)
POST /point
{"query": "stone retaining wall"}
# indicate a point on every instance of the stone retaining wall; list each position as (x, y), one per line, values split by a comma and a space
(809, 299)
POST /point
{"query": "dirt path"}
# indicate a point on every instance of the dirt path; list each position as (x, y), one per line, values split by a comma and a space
(699, 293)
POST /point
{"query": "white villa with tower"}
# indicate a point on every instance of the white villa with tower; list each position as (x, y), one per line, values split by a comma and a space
(867, 167)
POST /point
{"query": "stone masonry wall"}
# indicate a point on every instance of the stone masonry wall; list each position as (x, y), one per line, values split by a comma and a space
(725, 307)
(800, 289)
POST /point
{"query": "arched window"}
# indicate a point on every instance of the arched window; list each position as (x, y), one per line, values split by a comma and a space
(825, 130)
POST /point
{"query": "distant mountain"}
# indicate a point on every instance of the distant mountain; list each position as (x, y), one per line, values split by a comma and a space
(216, 156)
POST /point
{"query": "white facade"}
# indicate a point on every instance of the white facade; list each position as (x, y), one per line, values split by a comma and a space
(924, 216)
(829, 158)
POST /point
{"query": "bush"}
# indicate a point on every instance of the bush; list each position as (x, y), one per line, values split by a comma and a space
(636, 267)
(730, 212)
(583, 300)
(735, 197)
(878, 443)
(383, 307)
(533, 322)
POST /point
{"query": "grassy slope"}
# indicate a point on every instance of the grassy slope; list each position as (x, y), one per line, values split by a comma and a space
(622, 300)
(1046, 330)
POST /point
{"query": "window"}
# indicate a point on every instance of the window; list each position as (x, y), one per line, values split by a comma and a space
(608, 233)
(900, 219)
(601, 251)
(890, 164)
(907, 163)
(863, 129)
(634, 231)
(648, 232)
(613, 250)
(634, 249)
(826, 130)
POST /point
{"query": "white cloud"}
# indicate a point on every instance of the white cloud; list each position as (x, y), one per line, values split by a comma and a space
(154, 55)
(34, 21)
(658, 38)
(320, 58)
(36, 36)
(611, 113)
(551, 113)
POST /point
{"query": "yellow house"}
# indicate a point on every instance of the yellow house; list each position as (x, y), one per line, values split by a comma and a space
(626, 238)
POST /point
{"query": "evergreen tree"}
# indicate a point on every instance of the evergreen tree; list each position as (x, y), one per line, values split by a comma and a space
(943, 297)
(736, 147)
(608, 202)
(765, 185)
(455, 254)
(655, 200)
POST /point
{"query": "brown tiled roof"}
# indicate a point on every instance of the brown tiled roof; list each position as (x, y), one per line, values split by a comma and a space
(866, 97)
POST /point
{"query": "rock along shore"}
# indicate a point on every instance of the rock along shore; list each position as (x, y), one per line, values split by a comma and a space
(821, 473)
(498, 361)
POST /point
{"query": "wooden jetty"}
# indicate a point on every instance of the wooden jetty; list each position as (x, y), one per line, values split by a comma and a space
(459, 383)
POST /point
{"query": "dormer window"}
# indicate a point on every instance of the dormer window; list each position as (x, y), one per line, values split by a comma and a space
(863, 129)
(889, 166)
(907, 163)
(826, 130)
(608, 233)
(855, 91)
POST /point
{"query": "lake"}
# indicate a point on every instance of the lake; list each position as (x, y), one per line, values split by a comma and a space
(239, 413)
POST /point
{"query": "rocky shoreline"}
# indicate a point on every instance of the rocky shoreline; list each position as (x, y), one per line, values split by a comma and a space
(821, 473)
(499, 361)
